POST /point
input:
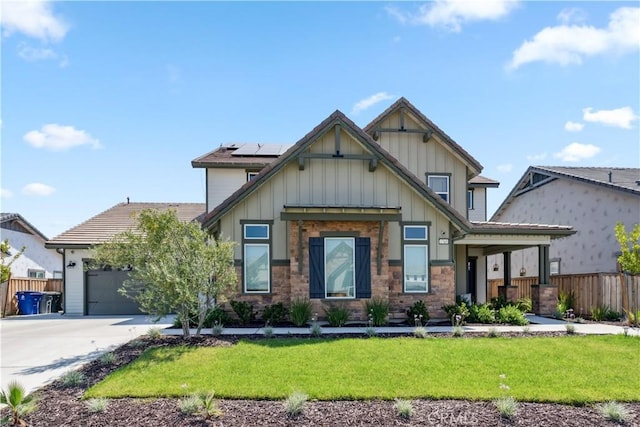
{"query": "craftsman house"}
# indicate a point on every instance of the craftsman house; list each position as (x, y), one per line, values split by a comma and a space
(347, 214)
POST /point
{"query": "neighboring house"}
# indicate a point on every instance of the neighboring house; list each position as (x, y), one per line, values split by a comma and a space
(96, 291)
(37, 262)
(591, 199)
(349, 214)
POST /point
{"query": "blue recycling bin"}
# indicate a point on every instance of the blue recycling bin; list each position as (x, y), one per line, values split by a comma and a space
(29, 302)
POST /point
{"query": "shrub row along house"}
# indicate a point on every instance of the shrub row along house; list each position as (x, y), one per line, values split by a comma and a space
(394, 210)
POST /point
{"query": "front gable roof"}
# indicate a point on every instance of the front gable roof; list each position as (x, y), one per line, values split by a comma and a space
(404, 105)
(296, 152)
(626, 180)
(17, 221)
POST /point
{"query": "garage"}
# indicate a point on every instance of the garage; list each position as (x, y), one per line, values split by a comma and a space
(102, 296)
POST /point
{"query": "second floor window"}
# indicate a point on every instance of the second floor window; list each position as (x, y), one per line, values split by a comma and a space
(440, 185)
(470, 199)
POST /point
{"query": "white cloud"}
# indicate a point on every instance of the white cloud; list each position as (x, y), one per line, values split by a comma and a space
(575, 152)
(619, 117)
(570, 44)
(32, 18)
(572, 15)
(370, 101)
(32, 54)
(452, 14)
(573, 126)
(536, 157)
(5, 194)
(58, 138)
(38, 189)
(505, 167)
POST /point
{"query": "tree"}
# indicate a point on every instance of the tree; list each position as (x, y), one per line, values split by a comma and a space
(5, 266)
(629, 260)
(176, 267)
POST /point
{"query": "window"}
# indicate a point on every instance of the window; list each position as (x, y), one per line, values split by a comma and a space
(416, 258)
(35, 274)
(470, 199)
(257, 258)
(554, 266)
(440, 185)
(339, 267)
(57, 274)
(251, 175)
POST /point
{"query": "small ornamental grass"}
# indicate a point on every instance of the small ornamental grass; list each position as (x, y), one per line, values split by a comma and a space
(72, 379)
(370, 332)
(420, 332)
(614, 411)
(97, 405)
(315, 330)
(493, 333)
(267, 331)
(300, 311)
(378, 310)
(107, 358)
(190, 404)
(404, 408)
(571, 329)
(216, 329)
(294, 403)
(337, 315)
(154, 332)
(507, 406)
(458, 331)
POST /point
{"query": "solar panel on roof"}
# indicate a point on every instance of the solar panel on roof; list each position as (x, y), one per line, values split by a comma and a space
(253, 149)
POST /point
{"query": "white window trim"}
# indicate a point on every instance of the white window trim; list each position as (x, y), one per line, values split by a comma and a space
(440, 193)
(471, 199)
(244, 269)
(404, 268)
(244, 231)
(36, 270)
(251, 175)
(353, 268)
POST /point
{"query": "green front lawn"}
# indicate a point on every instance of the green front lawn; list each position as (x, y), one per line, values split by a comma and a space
(576, 369)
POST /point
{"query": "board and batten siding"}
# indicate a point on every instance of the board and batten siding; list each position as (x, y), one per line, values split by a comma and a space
(426, 157)
(74, 281)
(334, 182)
(221, 183)
(479, 211)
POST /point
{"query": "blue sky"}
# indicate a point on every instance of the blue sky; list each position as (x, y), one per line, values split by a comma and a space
(107, 100)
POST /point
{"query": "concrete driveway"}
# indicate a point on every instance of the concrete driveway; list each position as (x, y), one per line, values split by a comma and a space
(35, 350)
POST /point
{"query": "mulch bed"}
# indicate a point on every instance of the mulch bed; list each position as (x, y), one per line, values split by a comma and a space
(63, 406)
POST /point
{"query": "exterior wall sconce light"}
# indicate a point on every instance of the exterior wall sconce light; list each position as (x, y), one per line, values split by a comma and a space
(523, 272)
(71, 264)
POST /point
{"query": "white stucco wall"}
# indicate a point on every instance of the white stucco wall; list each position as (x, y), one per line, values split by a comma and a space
(74, 281)
(592, 211)
(35, 257)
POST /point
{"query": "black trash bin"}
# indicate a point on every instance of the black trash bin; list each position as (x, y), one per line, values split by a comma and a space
(50, 302)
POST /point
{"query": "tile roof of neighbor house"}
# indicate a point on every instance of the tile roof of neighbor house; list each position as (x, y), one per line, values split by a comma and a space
(483, 181)
(117, 219)
(622, 179)
(404, 103)
(337, 118)
(10, 217)
(227, 156)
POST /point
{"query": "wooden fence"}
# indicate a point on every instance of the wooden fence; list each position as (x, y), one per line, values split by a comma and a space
(8, 301)
(589, 290)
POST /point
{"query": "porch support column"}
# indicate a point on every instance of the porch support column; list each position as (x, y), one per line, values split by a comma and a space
(506, 291)
(300, 246)
(379, 257)
(544, 296)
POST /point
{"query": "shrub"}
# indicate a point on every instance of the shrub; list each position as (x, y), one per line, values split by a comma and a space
(571, 329)
(511, 315)
(218, 314)
(377, 309)
(275, 313)
(154, 332)
(525, 305)
(315, 330)
(507, 406)
(190, 404)
(566, 301)
(97, 405)
(18, 401)
(300, 312)
(420, 332)
(337, 315)
(244, 311)
(404, 408)
(294, 403)
(498, 302)
(458, 331)
(72, 379)
(370, 332)
(107, 358)
(458, 313)
(614, 411)
(216, 329)
(481, 314)
(418, 313)
(603, 312)
(493, 333)
(267, 331)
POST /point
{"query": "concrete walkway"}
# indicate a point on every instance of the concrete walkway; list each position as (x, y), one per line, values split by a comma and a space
(537, 324)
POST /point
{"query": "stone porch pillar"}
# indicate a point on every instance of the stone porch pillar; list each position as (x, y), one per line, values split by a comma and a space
(506, 291)
(544, 296)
